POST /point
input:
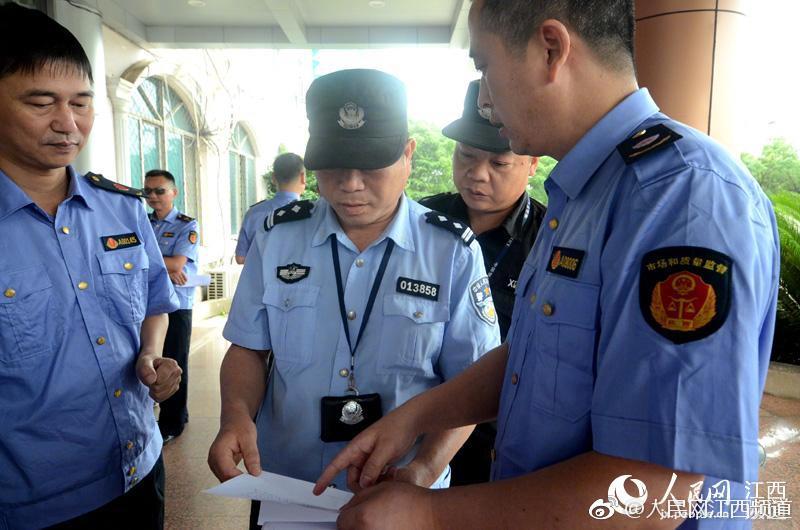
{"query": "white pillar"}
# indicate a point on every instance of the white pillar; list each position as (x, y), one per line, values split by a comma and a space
(83, 20)
(120, 92)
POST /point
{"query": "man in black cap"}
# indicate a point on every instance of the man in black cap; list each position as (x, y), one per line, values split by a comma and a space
(493, 200)
(365, 298)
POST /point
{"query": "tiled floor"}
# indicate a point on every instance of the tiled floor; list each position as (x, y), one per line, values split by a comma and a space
(185, 457)
(188, 474)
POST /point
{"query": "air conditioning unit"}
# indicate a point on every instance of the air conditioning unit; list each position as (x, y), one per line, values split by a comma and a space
(223, 282)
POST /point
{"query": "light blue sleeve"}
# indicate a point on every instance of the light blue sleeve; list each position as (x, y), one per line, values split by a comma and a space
(244, 242)
(472, 329)
(689, 406)
(161, 297)
(248, 323)
(183, 241)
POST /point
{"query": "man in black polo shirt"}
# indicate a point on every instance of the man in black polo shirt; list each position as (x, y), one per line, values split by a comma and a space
(492, 198)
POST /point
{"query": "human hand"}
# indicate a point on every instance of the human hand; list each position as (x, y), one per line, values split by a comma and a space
(367, 455)
(161, 375)
(235, 441)
(178, 278)
(389, 506)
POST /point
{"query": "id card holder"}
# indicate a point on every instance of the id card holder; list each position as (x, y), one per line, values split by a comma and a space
(343, 417)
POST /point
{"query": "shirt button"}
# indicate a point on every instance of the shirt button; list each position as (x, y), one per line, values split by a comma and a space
(131, 471)
(127, 265)
(359, 262)
(514, 379)
(553, 224)
(129, 445)
(533, 299)
(344, 372)
(548, 309)
(117, 393)
(101, 340)
(10, 293)
(351, 315)
(287, 302)
(65, 229)
(493, 454)
(417, 314)
(134, 480)
(82, 285)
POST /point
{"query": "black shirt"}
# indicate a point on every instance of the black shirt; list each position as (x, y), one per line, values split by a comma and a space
(517, 228)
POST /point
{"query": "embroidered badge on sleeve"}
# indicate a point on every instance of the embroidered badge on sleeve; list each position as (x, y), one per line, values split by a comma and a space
(684, 292)
(481, 297)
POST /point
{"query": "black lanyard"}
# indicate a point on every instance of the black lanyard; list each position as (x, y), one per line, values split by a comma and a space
(370, 302)
(504, 250)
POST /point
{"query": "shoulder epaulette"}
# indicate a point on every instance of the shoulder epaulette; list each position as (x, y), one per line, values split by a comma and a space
(647, 141)
(294, 211)
(459, 228)
(101, 182)
(184, 217)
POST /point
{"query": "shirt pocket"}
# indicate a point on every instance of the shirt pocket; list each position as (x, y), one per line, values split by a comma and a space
(29, 318)
(411, 336)
(564, 342)
(292, 313)
(124, 274)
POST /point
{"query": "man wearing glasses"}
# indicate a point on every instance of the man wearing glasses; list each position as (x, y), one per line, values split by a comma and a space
(177, 238)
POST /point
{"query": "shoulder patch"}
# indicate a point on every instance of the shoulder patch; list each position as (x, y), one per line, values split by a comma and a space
(294, 211)
(459, 228)
(647, 141)
(184, 217)
(685, 292)
(100, 181)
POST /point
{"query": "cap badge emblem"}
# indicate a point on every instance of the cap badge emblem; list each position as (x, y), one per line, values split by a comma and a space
(485, 112)
(351, 116)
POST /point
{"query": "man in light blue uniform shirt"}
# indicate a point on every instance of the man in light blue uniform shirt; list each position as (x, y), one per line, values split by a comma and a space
(643, 319)
(416, 278)
(289, 175)
(177, 236)
(83, 297)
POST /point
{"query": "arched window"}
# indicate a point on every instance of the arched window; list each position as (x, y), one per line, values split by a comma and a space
(162, 135)
(242, 163)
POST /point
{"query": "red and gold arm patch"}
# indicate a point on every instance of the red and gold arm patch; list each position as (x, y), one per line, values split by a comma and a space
(685, 292)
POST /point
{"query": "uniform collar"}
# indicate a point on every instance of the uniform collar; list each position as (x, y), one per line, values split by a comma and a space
(288, 195)
(513, 223)
(13, 198)
(582, 161)
(399, 229)
(170, 218)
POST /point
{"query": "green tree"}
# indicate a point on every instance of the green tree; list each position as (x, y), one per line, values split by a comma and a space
(778, 167)
(787, 328)
(536, 182)
(432, 166)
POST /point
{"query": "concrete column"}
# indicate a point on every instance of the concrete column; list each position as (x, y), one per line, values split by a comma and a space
(82, 18)
(120, 93)
(690, 54)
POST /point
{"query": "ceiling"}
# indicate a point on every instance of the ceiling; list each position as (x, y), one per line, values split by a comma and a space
(287, 23)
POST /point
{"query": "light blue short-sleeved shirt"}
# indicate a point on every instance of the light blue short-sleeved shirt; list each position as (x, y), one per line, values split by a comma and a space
(76, 426)
(416, 336)
(253, 221)
(644, 314)
(177, 235)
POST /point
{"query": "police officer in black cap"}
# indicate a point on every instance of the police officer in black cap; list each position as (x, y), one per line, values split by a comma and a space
(492, 199)
(365, 298)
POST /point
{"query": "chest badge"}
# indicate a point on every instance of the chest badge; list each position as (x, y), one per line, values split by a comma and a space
(120, 241)
(294, 272)
(168, 234)
(418, 288)
(684, 292)
(481, 297)
(566, 261)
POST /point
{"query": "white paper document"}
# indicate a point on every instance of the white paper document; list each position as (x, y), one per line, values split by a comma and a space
(286, 503)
